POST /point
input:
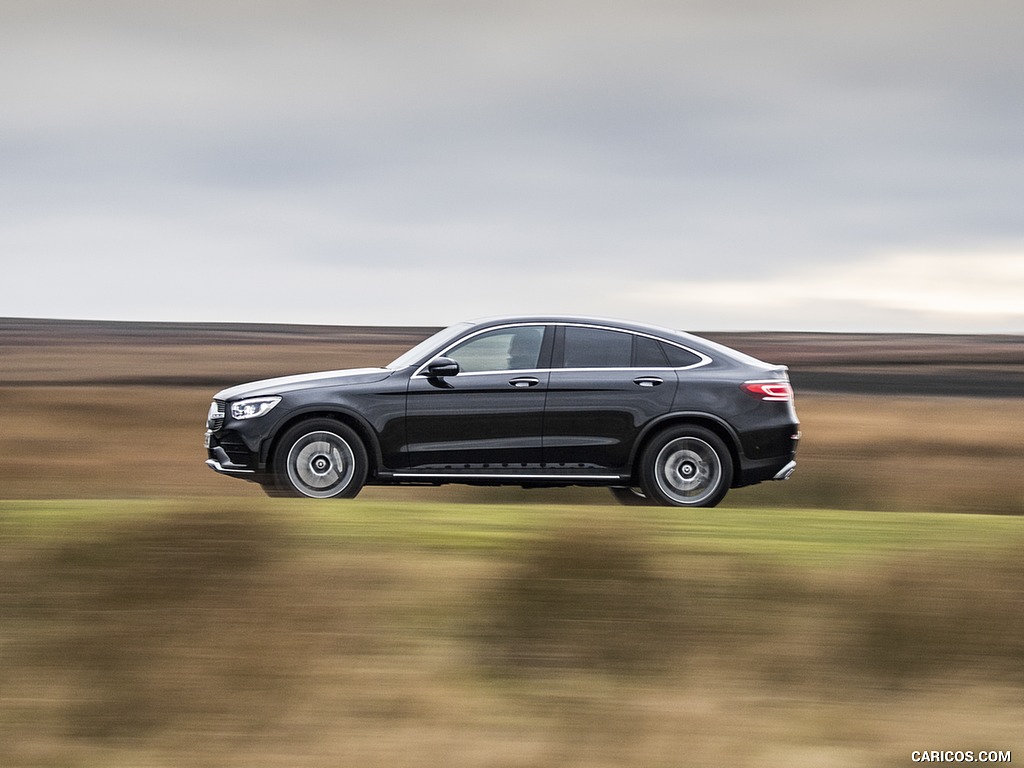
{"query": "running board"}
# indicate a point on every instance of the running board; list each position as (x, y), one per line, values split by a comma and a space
(503, 476)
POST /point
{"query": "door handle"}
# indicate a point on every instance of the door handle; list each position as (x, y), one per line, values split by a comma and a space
(524, 381)
(648, 381)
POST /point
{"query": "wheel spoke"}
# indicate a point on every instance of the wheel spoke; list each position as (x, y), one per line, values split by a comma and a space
(688, 470)
(320, 464)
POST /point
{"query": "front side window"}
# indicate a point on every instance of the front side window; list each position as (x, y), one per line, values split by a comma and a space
(504, 349)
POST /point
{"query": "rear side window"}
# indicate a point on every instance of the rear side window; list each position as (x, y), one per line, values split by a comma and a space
(679, 357)
(647, 353)
(597, 348)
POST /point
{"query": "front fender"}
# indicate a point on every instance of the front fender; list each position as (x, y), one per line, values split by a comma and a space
(344, 415)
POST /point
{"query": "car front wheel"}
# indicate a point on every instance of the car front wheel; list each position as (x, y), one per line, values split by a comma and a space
(321, 459)
(686, 467)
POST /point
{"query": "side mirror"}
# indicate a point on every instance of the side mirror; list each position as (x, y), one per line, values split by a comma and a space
(440, 367)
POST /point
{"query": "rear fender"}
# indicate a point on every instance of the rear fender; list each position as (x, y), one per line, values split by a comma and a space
(716, 424)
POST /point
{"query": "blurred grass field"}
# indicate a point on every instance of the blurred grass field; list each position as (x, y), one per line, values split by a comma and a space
(222, 632)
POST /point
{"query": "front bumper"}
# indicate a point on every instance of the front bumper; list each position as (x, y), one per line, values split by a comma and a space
(219, 461)
(228, 455)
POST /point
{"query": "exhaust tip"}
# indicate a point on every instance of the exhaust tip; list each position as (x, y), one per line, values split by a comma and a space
(786, 472)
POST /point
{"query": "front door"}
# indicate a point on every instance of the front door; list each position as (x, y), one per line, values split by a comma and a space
(488, 418)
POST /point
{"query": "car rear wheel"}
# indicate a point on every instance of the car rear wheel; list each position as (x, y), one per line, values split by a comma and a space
(321, 459)
(686, 467)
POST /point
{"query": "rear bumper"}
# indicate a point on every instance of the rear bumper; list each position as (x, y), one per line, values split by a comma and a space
(778, 467)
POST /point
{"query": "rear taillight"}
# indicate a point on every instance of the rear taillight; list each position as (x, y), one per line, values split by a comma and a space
(774, 391)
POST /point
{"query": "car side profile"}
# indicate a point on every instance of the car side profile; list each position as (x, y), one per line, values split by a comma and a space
(659, 416)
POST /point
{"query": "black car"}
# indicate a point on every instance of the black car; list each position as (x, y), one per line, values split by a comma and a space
(659, 416)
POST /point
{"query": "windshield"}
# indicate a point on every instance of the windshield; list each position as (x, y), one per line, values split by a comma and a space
(437, 341)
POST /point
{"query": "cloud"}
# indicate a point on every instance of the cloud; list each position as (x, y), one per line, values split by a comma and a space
(953, 292)
(571, 149)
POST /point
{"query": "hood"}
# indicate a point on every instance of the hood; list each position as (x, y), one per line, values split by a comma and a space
(285, 384)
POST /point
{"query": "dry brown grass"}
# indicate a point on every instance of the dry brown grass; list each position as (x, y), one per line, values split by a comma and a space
(867, 452)
(95, 442)
(906, 454)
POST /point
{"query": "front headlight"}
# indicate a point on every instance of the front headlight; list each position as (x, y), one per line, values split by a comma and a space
(253, 408)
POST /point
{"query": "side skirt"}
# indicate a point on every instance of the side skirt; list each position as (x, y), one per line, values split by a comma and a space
(526, 477)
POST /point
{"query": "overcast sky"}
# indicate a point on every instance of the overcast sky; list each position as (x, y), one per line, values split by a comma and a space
(785, 165)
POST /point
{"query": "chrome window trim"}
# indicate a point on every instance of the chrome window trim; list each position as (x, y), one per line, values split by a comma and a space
(704, 359)
(467, 337)
(515, 372)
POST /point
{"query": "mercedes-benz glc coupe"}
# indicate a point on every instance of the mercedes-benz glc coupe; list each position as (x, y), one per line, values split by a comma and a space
(659, 416)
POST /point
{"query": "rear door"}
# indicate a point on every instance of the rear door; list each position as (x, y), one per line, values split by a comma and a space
(605, 385)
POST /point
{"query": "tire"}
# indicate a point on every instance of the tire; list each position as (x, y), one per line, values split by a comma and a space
(686, 466)
(630, 497)
(321, 459)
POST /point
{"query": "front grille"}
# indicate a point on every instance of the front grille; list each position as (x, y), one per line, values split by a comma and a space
(215, 418)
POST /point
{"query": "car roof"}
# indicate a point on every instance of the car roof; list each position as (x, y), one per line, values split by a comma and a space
(609, 322)
(683, 337)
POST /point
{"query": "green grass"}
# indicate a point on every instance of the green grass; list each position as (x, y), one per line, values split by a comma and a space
(795, 536)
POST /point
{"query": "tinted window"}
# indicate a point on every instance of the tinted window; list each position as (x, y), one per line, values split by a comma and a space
(647, 353)
(506, 349)
(597, 348)
(679, 357)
